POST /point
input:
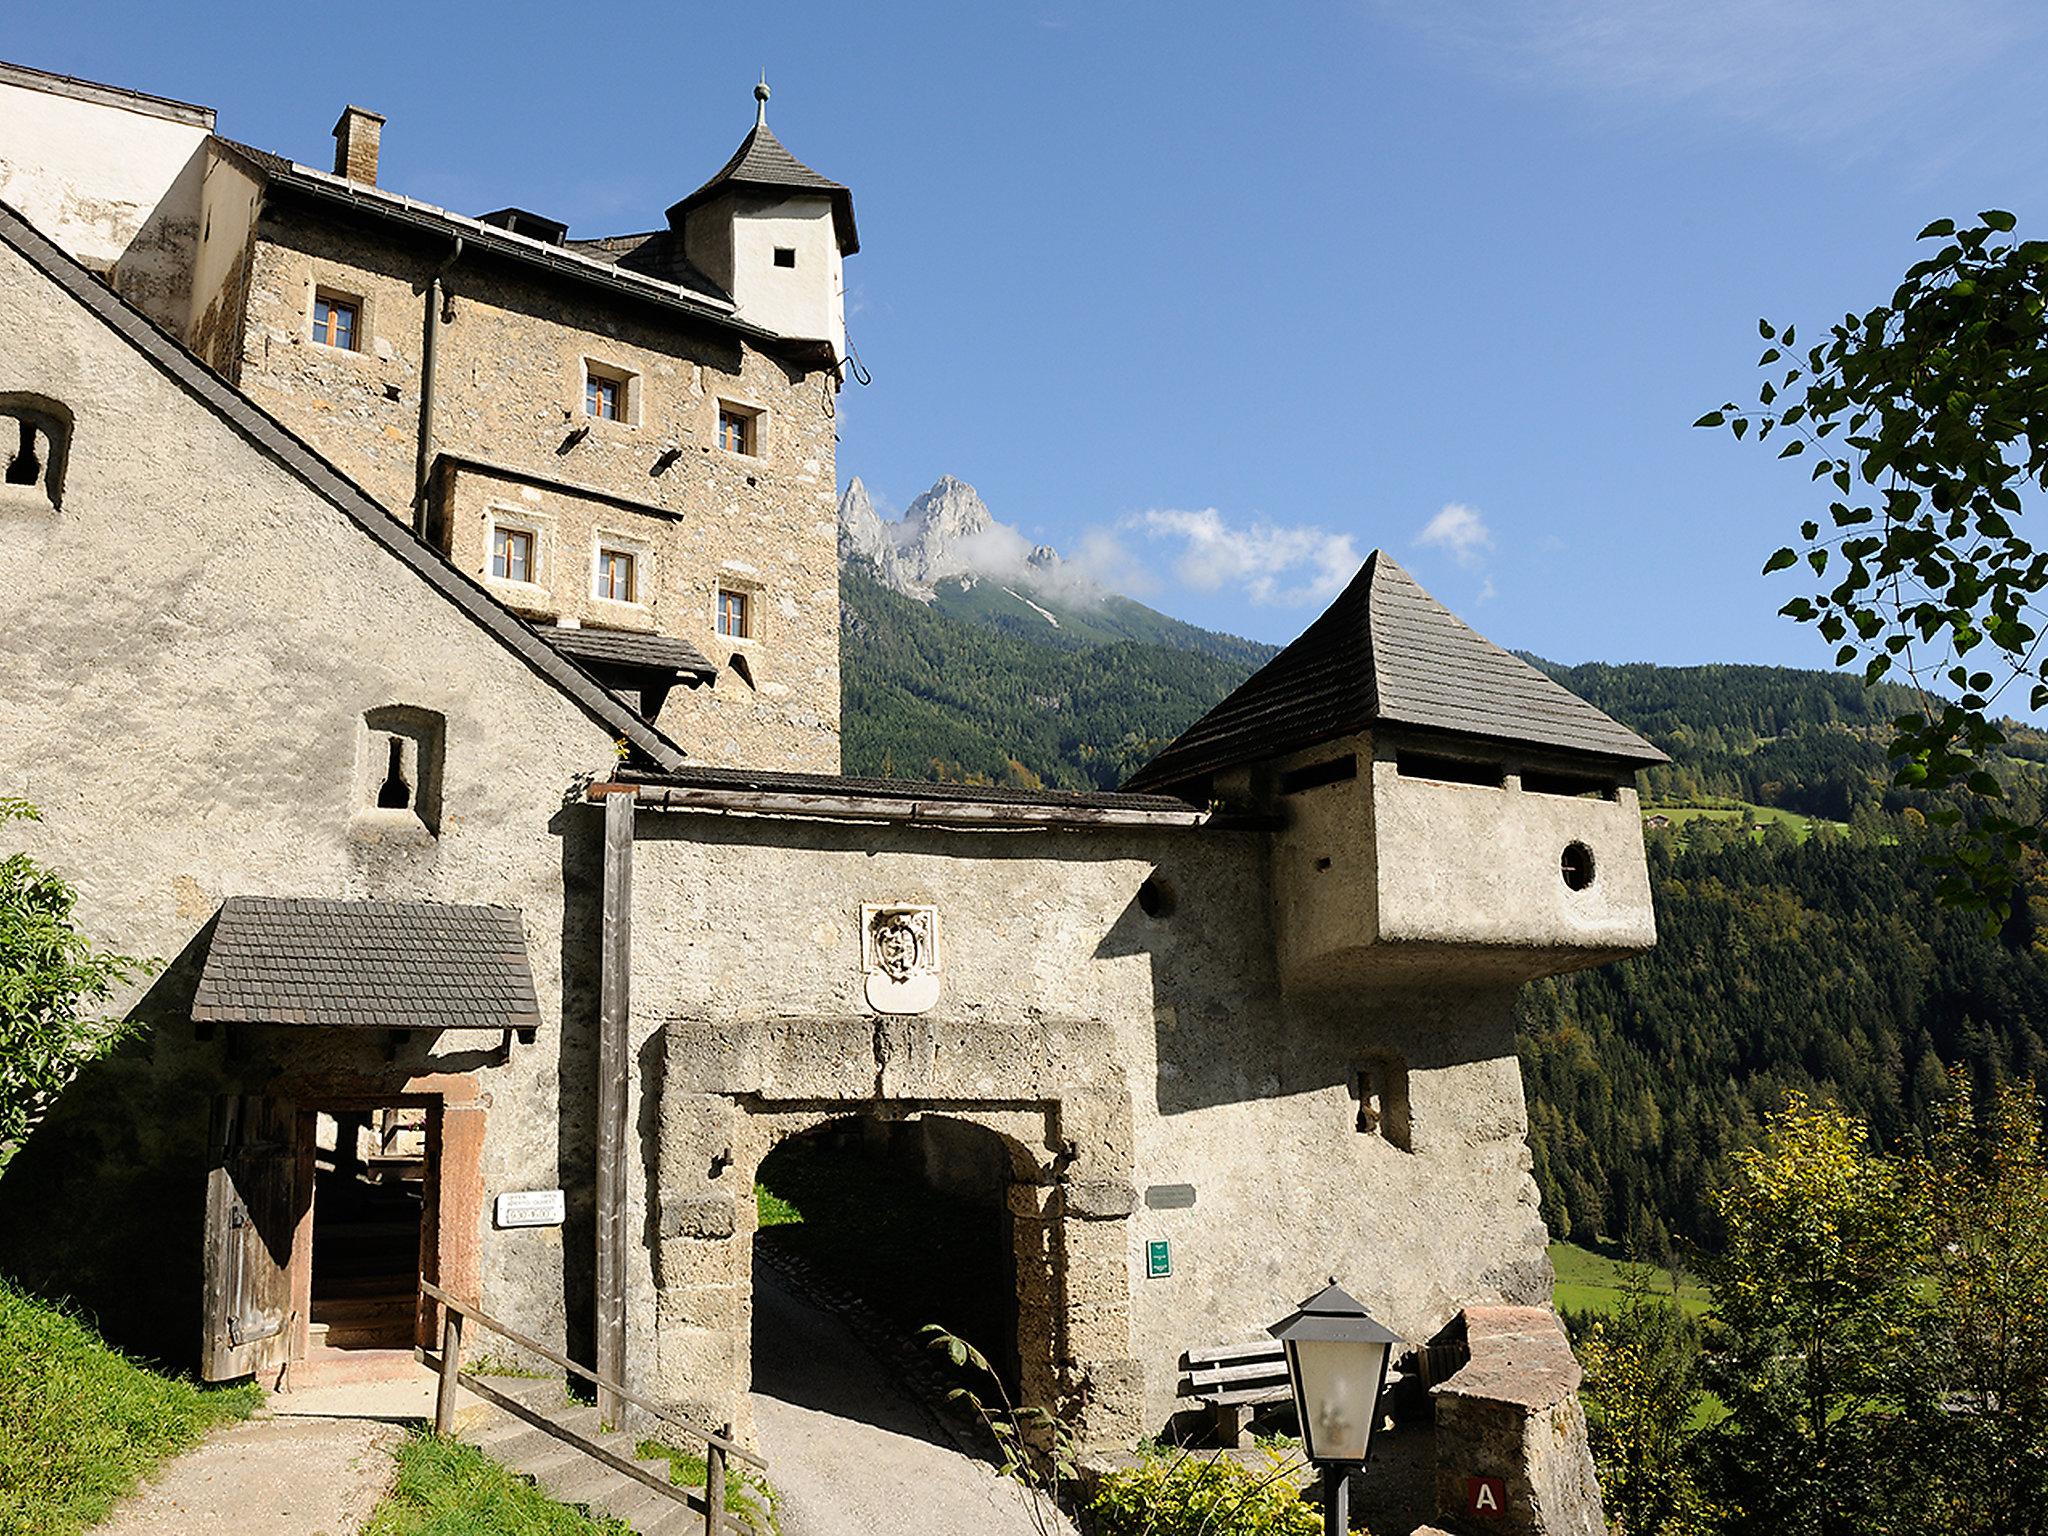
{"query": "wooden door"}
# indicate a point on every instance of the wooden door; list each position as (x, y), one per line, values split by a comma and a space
(253, 1205)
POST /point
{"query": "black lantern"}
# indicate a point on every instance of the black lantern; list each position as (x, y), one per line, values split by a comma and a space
(1337, 1364)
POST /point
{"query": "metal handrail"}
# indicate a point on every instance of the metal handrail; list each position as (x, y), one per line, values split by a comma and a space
(448, 1364)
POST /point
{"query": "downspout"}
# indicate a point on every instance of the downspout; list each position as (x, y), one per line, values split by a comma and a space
(440, 309)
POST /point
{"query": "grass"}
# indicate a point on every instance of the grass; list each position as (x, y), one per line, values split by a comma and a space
(1801, 827)
(81, 1423)
(446, 1488)
(747, 1494)
(1592, 1282)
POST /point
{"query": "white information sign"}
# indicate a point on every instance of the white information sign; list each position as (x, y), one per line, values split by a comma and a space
(530, 1208)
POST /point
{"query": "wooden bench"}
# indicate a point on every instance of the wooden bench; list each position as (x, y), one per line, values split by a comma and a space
(1233, 1381)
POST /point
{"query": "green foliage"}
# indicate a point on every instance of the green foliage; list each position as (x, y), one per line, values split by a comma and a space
(1175, 1494)
(80, 1423)
(1927, 423)
(1642, 1393)
(50, 975)
(1816, 1333)
(446, 1488)
(749, 1497)
(1985, 1187)
(1035, 1447)
(926, 695)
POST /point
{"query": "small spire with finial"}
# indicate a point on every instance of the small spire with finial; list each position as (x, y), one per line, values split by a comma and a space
(761, 102)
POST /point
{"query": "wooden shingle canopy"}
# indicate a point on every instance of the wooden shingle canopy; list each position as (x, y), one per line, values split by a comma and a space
(367, 964)
(1386, 653)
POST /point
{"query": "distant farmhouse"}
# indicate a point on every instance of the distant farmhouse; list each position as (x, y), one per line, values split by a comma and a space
(425, 638)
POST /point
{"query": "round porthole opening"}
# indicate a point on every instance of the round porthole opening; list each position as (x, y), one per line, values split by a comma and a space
(1576, 866)
(1155, 898)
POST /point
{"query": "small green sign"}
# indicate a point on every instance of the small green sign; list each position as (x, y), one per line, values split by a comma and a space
(1158, 1259)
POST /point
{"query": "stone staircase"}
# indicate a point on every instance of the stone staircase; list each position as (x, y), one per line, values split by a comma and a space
(565, 1473)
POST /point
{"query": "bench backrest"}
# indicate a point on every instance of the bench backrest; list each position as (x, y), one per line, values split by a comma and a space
(1236, 1369)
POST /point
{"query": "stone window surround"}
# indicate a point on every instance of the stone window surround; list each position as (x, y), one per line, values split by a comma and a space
(498, 515)
(757, 415)
(756, 592)
(631, 392)
(318, 285)
(602, 538)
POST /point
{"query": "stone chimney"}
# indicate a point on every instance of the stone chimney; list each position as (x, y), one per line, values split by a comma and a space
(356, 137)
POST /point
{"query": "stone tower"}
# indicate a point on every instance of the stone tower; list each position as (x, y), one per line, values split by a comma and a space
(773, 233)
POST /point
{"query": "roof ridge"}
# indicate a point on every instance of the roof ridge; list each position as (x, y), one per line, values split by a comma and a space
(303, 462)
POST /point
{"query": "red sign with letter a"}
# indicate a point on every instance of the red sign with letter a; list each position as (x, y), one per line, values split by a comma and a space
(1486, 1497)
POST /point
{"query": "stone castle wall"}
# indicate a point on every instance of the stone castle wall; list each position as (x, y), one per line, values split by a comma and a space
(509, 387)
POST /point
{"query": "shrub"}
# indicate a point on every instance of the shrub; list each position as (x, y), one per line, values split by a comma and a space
(1175, 1494)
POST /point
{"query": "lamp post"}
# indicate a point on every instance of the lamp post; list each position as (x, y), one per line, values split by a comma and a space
(1337, 1365)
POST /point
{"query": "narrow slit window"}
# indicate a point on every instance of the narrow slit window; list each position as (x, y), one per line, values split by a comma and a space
(1449, 770)
(1572, 785)
(395, 793)
(334, 321)
(512, 554)
(1333, 771)
(618, 575)
(733, 615)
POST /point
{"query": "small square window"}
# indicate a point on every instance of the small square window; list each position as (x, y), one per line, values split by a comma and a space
(736, 430)
(601, 397)
(734, 614)
(334, 321)
(617, 575)
(785, 255)
(512, 554)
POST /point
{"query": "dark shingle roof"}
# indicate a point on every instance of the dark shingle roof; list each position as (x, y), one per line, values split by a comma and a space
(761, 162)
(374, 964)
(272, 439)
(1387, 653)
(619, 648)
(833, 784)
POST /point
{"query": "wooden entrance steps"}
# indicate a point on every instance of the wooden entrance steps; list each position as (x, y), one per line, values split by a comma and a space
(566, 1474)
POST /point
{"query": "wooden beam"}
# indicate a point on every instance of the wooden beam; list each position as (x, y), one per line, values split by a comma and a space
(947, 813)
(614, 1070)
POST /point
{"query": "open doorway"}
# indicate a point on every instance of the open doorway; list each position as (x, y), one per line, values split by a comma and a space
(372, 1220)
(910, 1218)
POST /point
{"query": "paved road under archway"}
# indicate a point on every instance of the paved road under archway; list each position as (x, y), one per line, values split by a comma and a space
(849, 1450)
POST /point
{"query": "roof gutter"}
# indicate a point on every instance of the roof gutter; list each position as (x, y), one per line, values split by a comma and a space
(969, 815)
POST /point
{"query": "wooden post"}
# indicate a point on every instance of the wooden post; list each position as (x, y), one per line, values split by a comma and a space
(451, 1364)
(714, 1488)
(614, 1070)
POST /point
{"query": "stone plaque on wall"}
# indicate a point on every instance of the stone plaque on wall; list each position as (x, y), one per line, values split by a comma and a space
(900, 956)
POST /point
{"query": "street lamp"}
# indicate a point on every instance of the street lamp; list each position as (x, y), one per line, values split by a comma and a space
(1337, 1365)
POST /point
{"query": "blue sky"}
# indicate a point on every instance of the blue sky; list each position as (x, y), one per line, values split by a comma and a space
(1220, 297)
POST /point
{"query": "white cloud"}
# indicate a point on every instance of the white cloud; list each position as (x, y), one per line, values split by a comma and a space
(1460, 530)
(1289, 565)
(1806, 71)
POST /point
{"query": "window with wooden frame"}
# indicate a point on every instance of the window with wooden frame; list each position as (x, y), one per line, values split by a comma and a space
(735, 614)
(335, 320)
(739, 430)
(618, 575)
(512, 554)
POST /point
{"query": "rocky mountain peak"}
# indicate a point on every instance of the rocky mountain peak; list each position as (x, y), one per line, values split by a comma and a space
(948, 531)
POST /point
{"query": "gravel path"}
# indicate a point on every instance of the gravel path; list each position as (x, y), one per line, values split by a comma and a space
(297, 1476)
(848, 1450)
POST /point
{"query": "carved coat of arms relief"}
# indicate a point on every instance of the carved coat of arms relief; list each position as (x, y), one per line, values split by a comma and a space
(900, 956)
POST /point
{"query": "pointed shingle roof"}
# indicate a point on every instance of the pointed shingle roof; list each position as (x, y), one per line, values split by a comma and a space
(1387, 653)
(762, 164)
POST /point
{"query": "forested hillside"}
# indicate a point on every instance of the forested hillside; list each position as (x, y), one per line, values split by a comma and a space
(1799, 941)
(929, 694)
